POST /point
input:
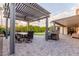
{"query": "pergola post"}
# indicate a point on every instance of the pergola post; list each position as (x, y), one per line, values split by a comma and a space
(12, 28)
(54, 27)
(6, 28)
(46, 34)
(28, 25)
(7, 9)
(1, 19)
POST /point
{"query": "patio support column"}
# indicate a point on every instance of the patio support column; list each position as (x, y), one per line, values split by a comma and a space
(12, 28)
(28, 25)
(7, 9)
(6, 28)
(46, 33)
(62, 30)
(54, 28)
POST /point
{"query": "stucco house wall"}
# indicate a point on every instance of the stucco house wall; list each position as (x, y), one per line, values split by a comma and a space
(63, 30)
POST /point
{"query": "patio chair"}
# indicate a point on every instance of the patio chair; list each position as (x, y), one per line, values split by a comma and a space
(29, 36)
(18, 38)
(49, 35)
(75, 35)
(4, 33)
(53, 35)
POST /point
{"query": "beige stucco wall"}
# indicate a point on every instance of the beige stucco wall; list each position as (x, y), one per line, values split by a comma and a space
(63, 30)
(77, 30)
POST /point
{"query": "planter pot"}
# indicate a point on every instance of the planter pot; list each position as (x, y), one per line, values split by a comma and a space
(1, 35)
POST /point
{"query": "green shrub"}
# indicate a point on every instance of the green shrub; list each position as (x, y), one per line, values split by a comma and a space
(42, 29)
(2, 29)
(31, 28)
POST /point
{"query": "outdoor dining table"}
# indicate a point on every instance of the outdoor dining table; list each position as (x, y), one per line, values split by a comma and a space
(22, 35)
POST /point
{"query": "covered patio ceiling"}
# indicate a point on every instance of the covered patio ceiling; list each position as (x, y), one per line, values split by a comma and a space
(69, 21)
(27, 11)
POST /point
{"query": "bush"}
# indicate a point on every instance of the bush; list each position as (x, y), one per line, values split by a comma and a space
(2, 29)
(42, 29)
(31, 28)
(21, 28)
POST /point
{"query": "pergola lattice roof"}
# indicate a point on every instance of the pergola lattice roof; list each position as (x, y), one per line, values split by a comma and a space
(28, 11)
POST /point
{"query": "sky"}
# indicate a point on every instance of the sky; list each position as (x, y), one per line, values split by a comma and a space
(56, 8)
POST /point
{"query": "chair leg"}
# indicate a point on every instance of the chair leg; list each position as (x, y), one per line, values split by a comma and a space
(31, 41)
(46, 39)
(28, 41)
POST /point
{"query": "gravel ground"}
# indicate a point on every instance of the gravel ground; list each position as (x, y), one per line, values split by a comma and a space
(66, 46)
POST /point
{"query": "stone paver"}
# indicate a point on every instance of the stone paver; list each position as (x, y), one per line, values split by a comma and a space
(66, 46)
(1, 45)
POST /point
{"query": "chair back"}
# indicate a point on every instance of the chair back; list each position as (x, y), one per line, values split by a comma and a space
(30, 34)
(4, 32)
(17, 36)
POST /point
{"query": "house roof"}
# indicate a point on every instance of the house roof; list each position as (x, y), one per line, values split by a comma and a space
(68, 21)
(27, 11)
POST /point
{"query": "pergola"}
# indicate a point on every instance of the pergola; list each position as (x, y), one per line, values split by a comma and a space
(26, 12)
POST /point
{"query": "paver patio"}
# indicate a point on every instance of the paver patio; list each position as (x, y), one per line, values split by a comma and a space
(66, 46)
(1, 44)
